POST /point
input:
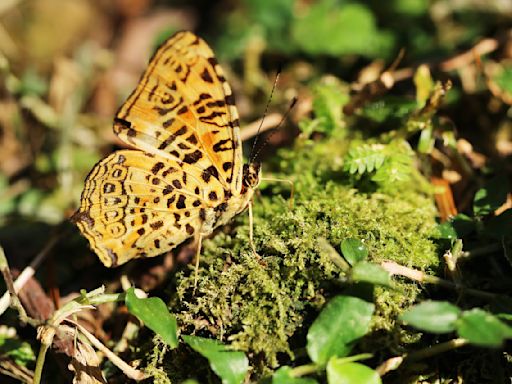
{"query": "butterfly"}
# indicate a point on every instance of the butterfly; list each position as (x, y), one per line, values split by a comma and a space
(185, 176)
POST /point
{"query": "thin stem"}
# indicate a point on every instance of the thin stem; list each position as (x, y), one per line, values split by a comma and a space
(413, 274)
(132, 373)
(304, 370)
(11, 291)
(394, 363)
(29, 271)
(436, 349)
(250, 130)
(40, 362)
(466, 255)
(335, 257)
(198, 255)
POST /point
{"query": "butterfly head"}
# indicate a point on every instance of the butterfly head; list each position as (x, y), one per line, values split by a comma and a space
(252, 173)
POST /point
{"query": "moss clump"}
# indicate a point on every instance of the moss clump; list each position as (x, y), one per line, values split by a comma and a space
(257, 304)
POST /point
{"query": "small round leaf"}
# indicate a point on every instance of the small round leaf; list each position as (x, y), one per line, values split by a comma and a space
(353, 251)
(432, 316)
(343, 320)
(481, 328)
(339, 372)
(231, 366)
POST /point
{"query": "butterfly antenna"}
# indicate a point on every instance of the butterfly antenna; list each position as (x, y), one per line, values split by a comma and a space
(264, 114)
(274, 130)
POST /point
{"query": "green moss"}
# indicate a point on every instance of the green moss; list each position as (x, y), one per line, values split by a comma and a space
(155, 359)
(257, 304)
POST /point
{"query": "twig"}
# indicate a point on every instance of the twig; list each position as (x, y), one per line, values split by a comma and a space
(326, 248)
(11, 291)
(395, 362)
(413, 274)
(29, 271)
(436, 349)
(271, 121)
(467, 255)
(129, 371)
(483, 47)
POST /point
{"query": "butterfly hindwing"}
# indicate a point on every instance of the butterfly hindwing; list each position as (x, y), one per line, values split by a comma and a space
(133, 206)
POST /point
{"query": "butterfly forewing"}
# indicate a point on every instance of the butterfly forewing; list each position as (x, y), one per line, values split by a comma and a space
(183, 108)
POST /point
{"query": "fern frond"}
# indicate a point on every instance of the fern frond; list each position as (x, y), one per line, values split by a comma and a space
(385, 164)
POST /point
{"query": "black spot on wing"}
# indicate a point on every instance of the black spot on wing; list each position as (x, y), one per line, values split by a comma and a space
(156, 225)
(157, 167)
(181, 202)
(205, 75)
(209, 172)
(191, 158)
(223, 145)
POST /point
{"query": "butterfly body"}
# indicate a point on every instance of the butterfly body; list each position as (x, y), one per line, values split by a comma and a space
(185, 176)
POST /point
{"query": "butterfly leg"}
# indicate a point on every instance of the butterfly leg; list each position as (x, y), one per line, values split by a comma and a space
(198, 254)
(251, 230)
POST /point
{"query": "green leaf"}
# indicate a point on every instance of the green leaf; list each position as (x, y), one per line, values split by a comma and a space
(328, 100)
(155, 315)
(481, 328)
(491, 196)
(396, 168)
(504, 79)
(353, 251)
(426, 141)
(325, 27)
(432, 316)
(31, 83)
(424, 86)
(230, 366)
(388, 110)
(20, 351)
(341, 372)
(408, 8)
(371, 273)
(284, 376)
(364, 158)
(446, 231)
(343, 320)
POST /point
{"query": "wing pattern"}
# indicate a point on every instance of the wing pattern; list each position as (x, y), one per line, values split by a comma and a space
(184, 176)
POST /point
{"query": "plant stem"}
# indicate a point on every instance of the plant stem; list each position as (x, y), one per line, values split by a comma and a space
(29, 271)
(40, 362)
(11, 291)
(129, 371)
(394, 363)
(303, 370)
(466, 255)
(413, 274)
(436, 349)
(326, 248)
